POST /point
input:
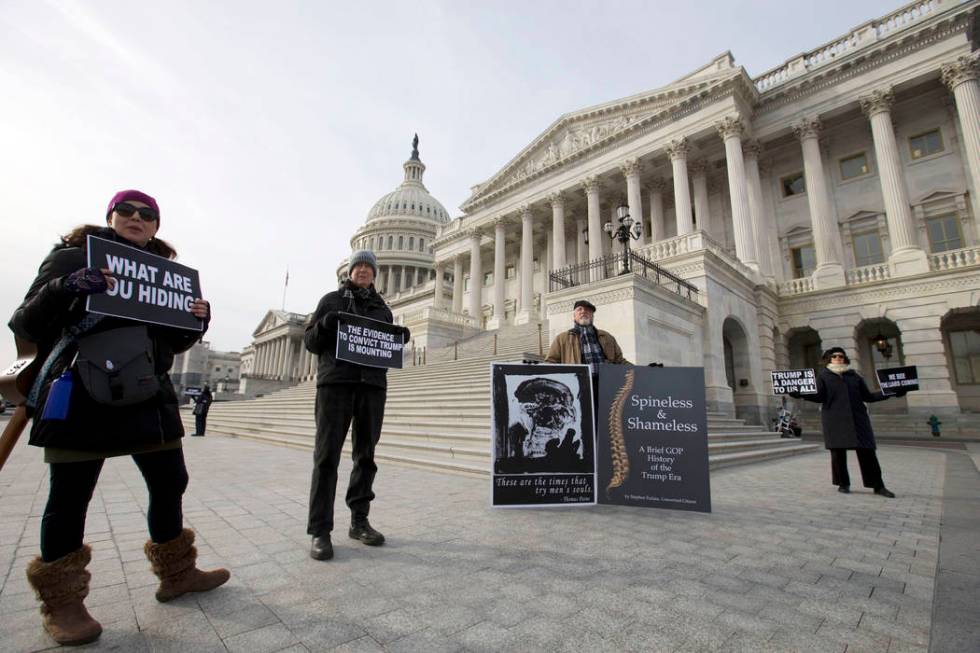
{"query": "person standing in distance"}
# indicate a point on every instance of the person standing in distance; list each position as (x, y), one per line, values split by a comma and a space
(345, 393)
(202, 404)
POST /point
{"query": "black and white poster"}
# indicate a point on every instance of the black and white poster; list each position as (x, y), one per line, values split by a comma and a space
(898, 378)
(149, 288)
(653, 437)
(369, 342)
(193, 391)
(543, 435)
(786, 381)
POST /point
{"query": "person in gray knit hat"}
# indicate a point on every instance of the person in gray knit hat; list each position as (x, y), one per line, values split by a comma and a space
(346, 393)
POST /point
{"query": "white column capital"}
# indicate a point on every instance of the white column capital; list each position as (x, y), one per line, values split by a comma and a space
(877, 101)
(591, 184)
(808, 127)
(730, 127)
(751, 148)
(556, 199)
(678, 149)
(658, 185)
(698, 167)
(630, 167)
(524, 210)
(965, 68)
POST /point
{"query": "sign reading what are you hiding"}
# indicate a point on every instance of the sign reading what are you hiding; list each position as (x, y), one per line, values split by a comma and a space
(149, 288)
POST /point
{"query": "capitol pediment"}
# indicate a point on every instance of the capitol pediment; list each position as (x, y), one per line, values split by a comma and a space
(577, 133)
(276, 318)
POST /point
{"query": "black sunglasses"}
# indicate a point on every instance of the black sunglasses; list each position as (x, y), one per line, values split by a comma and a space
(128, 210)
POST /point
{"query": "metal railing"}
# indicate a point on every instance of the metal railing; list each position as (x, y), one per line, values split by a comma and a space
(615, 265)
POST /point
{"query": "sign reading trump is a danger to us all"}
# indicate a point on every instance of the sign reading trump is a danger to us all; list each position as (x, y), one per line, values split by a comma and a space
(369, 342)
(149, 288)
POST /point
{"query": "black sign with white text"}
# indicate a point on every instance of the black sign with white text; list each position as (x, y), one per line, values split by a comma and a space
(898, 378)
(369, 342)
(653, 437)
(149, 288)
(786, 381)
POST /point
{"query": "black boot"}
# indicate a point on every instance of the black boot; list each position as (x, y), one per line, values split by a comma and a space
(360, 529)
(322, 548)
(885, 492)
(844, 489)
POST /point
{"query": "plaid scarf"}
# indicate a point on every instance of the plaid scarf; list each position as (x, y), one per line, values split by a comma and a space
(591, 351)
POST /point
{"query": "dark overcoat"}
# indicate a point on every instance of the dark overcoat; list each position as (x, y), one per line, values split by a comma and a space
(49, 309)
(321, 335)
(846, 423)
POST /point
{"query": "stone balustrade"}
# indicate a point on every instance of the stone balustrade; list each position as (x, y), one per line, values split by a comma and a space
(860, 37)
(868, 274)
(796, 286)
(953, 259)
(442, 315)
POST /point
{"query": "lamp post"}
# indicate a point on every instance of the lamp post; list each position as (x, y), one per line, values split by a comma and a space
(628, 229)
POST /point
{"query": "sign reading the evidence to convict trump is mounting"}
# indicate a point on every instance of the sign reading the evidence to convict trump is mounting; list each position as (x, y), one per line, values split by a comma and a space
(653, 437)
(543, 436)
(149, 288)
(369, 342)
(786, 381)
(893, 379)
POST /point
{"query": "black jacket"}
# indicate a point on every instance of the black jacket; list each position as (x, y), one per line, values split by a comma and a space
(321, 335)
(46, 312)
(846, 424)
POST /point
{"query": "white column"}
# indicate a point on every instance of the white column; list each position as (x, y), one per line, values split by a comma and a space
(457, 285)
(437, 289)
(631, 170)
(476, 279)
(730, 130)
(557, 201)
(591, 186)
(699, 180)
(581, 249)
(499, 274)
(287, 372)
(257, 364)
(907, 257)
(526, 312)
(826, 235)
(761, 225)
(961, 76)
(657, 188)
(390, 283)
(277, 360)
(677, 150)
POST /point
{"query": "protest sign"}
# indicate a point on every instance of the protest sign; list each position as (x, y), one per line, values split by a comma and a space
(898, 378)
(653, 437)
(192, 391)
(369, 342)
(543, 435)
(786, 381)
(149, 288)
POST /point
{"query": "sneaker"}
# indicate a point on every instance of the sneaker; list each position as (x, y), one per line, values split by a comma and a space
(361, 530)
(885, 492)
(322, 548)
(844, 489)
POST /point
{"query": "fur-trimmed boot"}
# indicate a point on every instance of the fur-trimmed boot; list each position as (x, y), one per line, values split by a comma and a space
(174, 563)
(62, 585)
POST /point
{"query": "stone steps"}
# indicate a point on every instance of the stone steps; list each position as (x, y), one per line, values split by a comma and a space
(438, 416)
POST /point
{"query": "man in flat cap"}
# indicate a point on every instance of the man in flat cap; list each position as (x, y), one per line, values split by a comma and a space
(584, 343)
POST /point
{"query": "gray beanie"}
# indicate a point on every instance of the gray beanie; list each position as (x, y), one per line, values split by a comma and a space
(362, 256)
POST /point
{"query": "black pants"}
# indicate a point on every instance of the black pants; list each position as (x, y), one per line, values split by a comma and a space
(337, 407)
(200, 422)
(867, 460)
(71, 488)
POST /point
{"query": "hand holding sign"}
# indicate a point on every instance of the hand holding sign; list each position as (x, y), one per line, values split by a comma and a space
(88, 281)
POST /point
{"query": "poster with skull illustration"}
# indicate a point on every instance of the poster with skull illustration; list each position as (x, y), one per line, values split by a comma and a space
(543, 435)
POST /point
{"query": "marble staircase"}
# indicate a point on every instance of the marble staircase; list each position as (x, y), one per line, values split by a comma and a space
(438, 416)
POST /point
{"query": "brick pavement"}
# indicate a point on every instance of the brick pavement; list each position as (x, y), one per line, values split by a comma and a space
(784, 563)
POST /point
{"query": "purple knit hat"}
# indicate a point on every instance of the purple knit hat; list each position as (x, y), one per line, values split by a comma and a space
(139, 196)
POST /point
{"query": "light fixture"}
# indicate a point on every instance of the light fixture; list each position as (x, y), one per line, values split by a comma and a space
(881, 343)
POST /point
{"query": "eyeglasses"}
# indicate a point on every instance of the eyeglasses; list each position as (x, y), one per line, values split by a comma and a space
(128, 210)
(833, 356)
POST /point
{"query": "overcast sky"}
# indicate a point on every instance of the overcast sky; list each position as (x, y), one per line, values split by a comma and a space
(267, 130)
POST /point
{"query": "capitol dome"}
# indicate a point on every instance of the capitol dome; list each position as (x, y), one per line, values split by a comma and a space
(399, 229)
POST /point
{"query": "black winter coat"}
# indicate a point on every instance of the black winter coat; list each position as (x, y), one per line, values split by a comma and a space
(46, 312)
(846, 424)
(321, 335)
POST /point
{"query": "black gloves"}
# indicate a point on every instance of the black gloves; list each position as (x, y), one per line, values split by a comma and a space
(329, 321)
(655, 365)
(86, 281)
(528, 361)
(405, 332)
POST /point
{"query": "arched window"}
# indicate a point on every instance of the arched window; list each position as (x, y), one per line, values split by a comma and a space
(391, 240)
(401, 242)
(411, 242)
(421, 244)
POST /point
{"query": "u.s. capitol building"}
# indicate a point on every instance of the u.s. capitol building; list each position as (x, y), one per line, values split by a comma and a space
(832, 200)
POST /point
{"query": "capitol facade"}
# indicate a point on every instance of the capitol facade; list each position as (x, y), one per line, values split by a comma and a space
(832, 200)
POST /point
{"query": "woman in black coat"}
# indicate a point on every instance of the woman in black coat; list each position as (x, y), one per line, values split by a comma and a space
(842, 394)
(79, 428)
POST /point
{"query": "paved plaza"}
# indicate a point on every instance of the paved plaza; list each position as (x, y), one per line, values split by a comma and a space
(784, 563)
